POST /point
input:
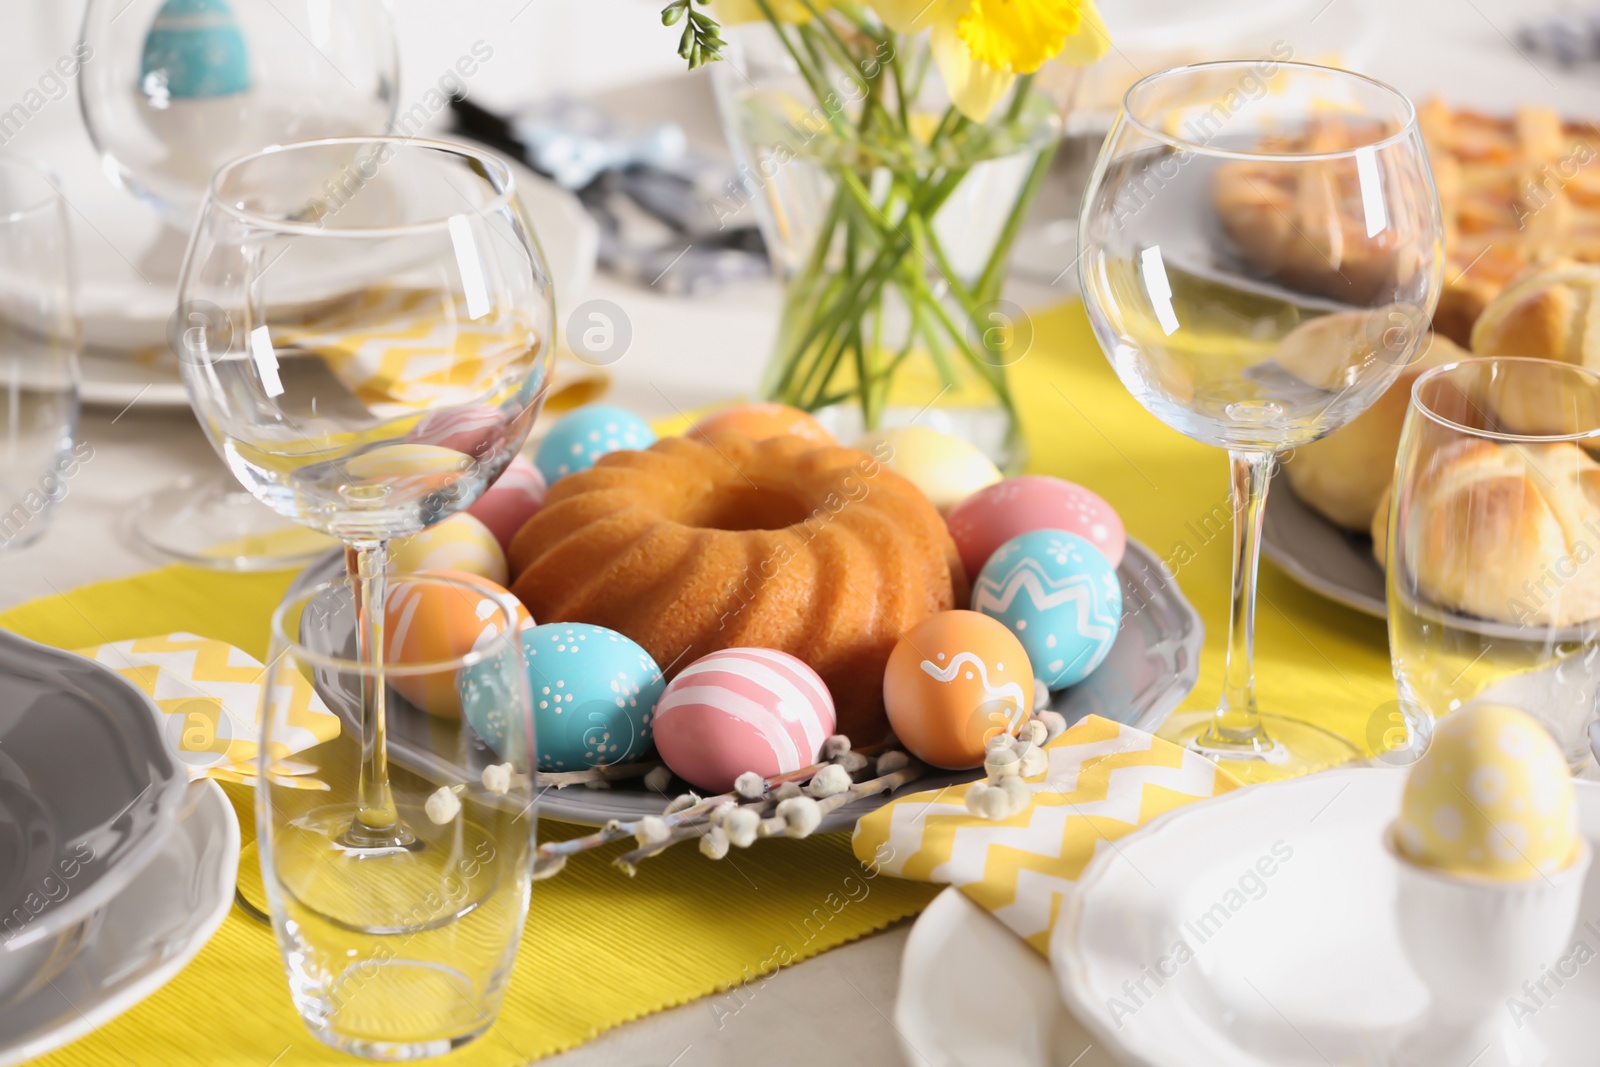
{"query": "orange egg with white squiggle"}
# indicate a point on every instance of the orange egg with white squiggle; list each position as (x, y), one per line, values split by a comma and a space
(955, 680)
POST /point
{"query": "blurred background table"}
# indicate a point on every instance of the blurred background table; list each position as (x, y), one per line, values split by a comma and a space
(685, 353)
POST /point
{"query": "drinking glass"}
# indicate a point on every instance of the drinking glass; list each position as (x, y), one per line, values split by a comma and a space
(1493, 549)
(1261, 253)
(370, 338)
(400, 952)
(173, 89)
(38, 353)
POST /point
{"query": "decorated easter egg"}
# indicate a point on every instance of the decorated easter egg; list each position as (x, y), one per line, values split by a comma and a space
(472, 429)
(994, 515)
(761, 421)
(955, 680)
(594, 697)
(426, 622)
(459, 543)
(513, 499)
(742, 709)
(947, 469)
(195, 50)
(582, 437)
(1491, 798)
(1061, 598)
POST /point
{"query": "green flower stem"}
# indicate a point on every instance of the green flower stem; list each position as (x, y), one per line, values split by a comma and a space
(988, 284)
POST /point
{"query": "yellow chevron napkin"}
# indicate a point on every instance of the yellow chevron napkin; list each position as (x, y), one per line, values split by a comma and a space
(1104, 781)
(210, 695)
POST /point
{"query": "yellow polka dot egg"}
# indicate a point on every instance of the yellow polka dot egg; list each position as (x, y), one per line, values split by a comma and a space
(1491, 799)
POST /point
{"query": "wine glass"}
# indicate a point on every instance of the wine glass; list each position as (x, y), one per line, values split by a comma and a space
(402, 952)
(1493, 550)
(172, 90)
(371, 328)
(1261, 253)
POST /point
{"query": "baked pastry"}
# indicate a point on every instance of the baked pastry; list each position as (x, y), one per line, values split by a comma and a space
(1505, 532)
(689, 547)
(1513, 190)
(1549, 312)
(1342, 476)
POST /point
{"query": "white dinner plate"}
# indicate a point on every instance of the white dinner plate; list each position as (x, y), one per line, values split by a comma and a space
(143, 937)
(1152, 666)
(1283, 895)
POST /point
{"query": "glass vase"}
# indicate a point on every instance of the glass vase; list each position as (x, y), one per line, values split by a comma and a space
(889, 217)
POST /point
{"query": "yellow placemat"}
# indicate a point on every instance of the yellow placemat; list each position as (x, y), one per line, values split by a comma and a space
(601, 949)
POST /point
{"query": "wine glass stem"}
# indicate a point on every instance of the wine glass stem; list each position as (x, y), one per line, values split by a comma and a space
(377, 822)
(1238, 722)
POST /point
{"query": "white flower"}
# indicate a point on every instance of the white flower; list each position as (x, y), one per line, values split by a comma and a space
(988, 802)
(497, 778)
(892, 761)
(786, 791)
(741, 825)
(651, 830)
(1016, 790)
(851, 761)
(830, 780)
(1054, 723)
(442, 805)
(801, 815)
(750, 785)
(714, 843)
(687, 800)
(1033, 762)
(837, 745)
(658, 780)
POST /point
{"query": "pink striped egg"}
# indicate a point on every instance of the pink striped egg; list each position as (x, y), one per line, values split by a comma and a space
(513, 499)
(474, 429)
(995, 514)
(742, 709)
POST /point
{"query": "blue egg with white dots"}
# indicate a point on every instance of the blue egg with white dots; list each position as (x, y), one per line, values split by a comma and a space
(1060, 596)
(594, 695)
(576, 441)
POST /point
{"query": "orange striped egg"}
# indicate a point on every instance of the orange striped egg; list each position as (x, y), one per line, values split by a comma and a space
(427, 622)
(761, 421)
(955, 680)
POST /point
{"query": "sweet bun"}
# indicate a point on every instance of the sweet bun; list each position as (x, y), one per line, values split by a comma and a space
(1343, 476)
(1506, 532)
(1549, 311)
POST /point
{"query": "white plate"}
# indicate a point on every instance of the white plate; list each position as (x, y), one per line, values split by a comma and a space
(142, 938)
(124, 317)
(1284, 894)
(1152, 666)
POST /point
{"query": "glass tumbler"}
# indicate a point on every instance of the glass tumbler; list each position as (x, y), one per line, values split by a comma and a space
(38, 354)
(1493, 548)
(401, 952)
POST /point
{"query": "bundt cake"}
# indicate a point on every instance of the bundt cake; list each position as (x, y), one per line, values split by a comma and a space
(689, 547)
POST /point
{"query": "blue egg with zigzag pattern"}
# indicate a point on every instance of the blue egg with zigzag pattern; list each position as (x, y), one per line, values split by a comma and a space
(1060, 596)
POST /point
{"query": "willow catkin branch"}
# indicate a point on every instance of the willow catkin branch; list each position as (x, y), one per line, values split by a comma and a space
(617, 772)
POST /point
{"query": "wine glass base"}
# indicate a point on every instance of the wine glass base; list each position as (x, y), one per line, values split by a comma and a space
(1289, 747)
(216, 524)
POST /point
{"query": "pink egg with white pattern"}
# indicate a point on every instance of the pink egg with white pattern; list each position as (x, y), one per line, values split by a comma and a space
(474, 430)
(994, 515)
(513, 499)
(742, 709)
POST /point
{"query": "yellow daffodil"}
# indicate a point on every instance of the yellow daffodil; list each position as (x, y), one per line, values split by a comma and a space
(980, 46)
(729, 12)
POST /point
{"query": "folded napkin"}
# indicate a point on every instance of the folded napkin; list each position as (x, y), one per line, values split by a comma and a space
(1104, 781)
(210, 695)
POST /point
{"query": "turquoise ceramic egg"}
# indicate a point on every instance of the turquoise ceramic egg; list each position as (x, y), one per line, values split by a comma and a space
(1059, 595)
(594, 696)
(585, 435)
(194, 50)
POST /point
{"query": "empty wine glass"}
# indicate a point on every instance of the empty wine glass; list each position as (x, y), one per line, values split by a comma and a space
(1261, 253)
(175, 89)
(370, 341)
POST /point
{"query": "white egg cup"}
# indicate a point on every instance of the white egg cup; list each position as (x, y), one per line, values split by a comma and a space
(1473, 942)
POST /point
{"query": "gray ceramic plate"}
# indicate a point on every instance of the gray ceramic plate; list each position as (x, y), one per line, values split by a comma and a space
(88, 794)
(143, 937)
(1152, 666)
(1321, 556)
